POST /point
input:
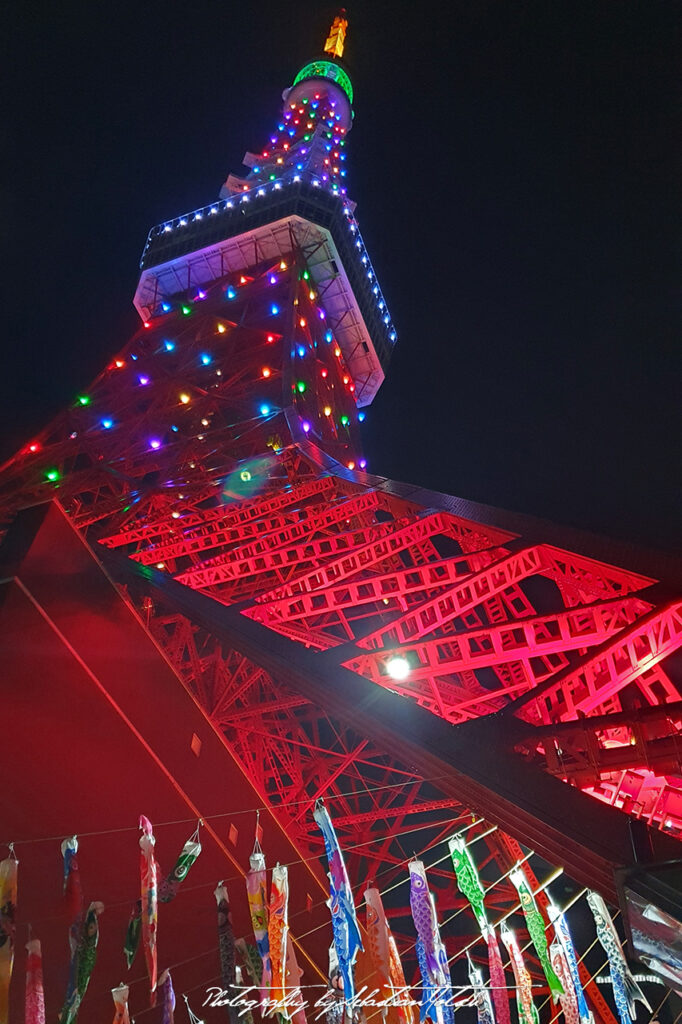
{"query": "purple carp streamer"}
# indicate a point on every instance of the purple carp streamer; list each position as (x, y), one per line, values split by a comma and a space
(347, 941)
(536, 929)
(83, 960)
(626, 991)
(498, 981)
(167, 998)
(120, 997)
(528, 1013)
(568, 1001)
(35, 997)
(8, 907)
(484, 1006)
(149, 885)
(564, 937)
(257, 893)
(433, 963)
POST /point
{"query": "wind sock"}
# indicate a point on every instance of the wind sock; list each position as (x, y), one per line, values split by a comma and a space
(468, 882)
(292, 976)
(257, 893)
(347, 939)
(73, 896)
(167, 998)
(569, 1002)
(170, 886)
(498, 981)
(133, 932)
(626, 991)
(149, 896)
(84, 959)
(168, 890)
(384, 954)
(433, 964)
(404, 1005)
(481, 994)
(528, 1013)
(228, 959)
(35, 996)
(120, 997)
(564, 936)
(8, 906)
(278, 932)
(377, 933)
(536, 929)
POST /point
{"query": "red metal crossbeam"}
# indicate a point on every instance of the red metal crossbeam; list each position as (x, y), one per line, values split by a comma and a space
(307, 522)
(521, 640)
(399, 588)
(494, 580)
(600, 676)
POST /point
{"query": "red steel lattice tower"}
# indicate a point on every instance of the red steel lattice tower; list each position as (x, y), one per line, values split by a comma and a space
(410, 656)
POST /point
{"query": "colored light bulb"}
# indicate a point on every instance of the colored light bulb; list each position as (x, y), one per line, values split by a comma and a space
(306, 427)
(169, 345)
(300, 386)
(154, 443)
(186, 310)
(362, 463)
(166, 307)
(264, 409)
(231, 293)
(274, 309)
(52, 475)
(301, 351)
(205, 358)
(344, 421)
(361, 416)
(84, 400)
(327, 410)
(143, 379)
(107, 423)
(266, 371)
(221, 328)
(184, 398)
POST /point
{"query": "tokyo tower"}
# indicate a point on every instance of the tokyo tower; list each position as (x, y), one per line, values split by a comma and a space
(411, 657)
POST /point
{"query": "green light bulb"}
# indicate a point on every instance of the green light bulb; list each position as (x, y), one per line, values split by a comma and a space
(306, 275)
(84, 399)
(344, 420)
(52, 475)
(186, 310)
(301, 386)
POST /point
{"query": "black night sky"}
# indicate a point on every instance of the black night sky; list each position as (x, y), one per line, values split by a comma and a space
(514, 168)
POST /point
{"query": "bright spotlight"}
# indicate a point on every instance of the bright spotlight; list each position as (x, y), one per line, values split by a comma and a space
(398, 668)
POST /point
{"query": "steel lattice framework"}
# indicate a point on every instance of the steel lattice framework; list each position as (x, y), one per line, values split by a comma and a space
(221, 448)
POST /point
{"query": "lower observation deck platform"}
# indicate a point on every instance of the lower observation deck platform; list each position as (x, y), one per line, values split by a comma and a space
(268, 223)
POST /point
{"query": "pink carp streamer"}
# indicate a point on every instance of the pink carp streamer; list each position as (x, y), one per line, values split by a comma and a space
(498, 981)
(528, 1013)
(149, 888)
(257, 892)
(120, 997)
(569, 999)
(8, 906)
(35, 997)
(384, 955)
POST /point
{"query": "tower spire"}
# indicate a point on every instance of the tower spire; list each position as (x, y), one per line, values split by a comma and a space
(310, 136)
(336, 39)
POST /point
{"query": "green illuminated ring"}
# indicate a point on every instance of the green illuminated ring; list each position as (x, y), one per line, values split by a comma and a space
(326, 69)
